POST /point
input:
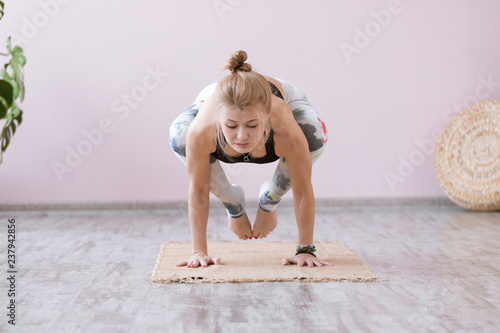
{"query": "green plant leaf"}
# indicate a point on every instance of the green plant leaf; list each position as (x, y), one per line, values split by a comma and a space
(7, 93)
(9, 48)
(17, 50)
(1, 9)
(11, 89)
(9, 79)
(6, 97)
(14, 119)
(18, 79)
(5, 137)
(16, 113)
(3, 108)
(9, 120)
(18, 54)
(17, 62)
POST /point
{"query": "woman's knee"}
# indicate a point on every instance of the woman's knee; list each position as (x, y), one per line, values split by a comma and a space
(312, 126)
(323, 133)
(178, 131)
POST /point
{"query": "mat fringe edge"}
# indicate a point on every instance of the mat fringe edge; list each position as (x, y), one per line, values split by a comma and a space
(196, 280)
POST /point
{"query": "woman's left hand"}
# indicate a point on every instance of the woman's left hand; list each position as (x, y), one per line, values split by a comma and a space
(306, 259)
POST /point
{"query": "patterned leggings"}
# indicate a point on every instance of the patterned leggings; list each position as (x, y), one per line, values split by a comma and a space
(271, 191)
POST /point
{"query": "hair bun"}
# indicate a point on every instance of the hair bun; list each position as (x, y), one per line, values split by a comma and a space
(237, 62)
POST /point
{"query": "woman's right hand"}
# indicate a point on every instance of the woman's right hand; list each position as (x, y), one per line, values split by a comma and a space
(198, 259)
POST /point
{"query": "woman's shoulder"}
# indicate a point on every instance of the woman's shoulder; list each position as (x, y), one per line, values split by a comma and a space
(281, 117)
(206, 108)
(206, 116)
(277, 83)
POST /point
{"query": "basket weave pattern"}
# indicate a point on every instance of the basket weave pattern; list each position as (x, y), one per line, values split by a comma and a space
(468, 157)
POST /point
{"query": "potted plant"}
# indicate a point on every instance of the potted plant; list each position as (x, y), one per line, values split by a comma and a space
(11, 91)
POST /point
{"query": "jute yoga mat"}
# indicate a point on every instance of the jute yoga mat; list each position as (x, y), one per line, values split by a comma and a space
(259, 261)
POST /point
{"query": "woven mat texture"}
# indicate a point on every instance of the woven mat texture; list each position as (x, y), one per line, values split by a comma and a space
(258, 262)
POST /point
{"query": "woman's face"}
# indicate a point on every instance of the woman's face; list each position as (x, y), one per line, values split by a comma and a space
(242, 129)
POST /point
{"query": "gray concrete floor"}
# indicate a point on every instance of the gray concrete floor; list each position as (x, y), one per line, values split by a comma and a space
(88, 271)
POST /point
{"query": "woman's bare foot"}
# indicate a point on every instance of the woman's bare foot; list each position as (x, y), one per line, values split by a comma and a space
(264, 223)
(241, 226)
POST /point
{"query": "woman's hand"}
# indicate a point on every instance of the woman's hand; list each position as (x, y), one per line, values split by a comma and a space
(198, 259)
(305, 258)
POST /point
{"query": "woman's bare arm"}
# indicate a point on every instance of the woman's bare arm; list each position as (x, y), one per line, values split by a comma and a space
(200, 142)
(198, 167)
(292, 144)
(299, 163)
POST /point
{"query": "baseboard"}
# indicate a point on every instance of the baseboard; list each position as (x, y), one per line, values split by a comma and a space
(147, 205)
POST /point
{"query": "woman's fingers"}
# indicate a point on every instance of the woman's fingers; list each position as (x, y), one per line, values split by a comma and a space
(325, 263)
(287, 261)
(197, 262)
(317, 262)
(311, 262)
(300, 261)
(204, 262)
(193, 262)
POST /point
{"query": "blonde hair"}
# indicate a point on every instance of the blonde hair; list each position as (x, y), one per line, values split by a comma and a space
(242, 89)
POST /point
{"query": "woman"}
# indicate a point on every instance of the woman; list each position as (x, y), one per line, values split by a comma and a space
(251, 118)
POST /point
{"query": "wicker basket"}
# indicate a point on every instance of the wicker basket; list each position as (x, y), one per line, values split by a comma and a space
(468, 157)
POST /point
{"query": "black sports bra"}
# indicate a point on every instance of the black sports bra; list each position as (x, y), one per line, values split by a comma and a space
(270, 154)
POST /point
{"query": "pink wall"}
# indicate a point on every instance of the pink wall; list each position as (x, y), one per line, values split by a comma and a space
(384, 75)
